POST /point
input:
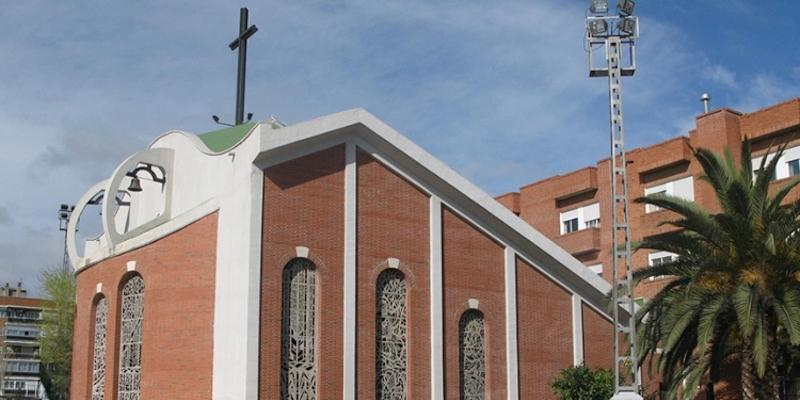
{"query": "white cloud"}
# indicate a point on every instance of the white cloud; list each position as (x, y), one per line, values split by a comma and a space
(721, 75)
(766, 89)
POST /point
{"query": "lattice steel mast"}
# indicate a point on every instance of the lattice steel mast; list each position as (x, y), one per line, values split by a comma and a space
(617, 34)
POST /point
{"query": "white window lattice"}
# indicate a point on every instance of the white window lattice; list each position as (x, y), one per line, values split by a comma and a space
(99, 353)
(298, 364)
(682, 188)
(580, 218)
(131, 318)
(391, 336)
(472, 363)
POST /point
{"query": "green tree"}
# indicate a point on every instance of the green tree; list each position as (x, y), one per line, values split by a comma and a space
(56, 339)
(734, 292)
(583, 383)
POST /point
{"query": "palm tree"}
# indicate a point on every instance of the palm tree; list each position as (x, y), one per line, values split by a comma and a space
(733, 295)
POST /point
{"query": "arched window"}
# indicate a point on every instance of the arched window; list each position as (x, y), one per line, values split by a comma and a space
(391, 336)
(130, 350)
(298, 360)
(472, 343)
(99, 348)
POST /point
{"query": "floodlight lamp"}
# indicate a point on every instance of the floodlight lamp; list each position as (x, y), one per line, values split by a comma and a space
(598, 27)
(625, 7)
(627, 25)
(599, 6)
(216, 120)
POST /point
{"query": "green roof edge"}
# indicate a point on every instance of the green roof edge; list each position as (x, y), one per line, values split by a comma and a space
(224, 139)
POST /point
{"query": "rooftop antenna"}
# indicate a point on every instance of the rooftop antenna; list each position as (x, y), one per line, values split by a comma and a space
(240, 43)
(705, 98)
(617, 34)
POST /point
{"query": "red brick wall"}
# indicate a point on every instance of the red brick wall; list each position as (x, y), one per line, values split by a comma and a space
(597, 338)
(473, 267)
(392, 222)
(179, 277)
(544, 328)
(510, 201)
(772, 119)
(304, 206)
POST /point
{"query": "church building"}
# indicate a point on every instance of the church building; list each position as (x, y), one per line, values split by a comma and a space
(330, 259)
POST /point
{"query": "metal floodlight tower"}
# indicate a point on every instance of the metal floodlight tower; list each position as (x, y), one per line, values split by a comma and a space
(618, 42)
(64, 214)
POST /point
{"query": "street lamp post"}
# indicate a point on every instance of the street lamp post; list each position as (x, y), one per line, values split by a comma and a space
(616, 34)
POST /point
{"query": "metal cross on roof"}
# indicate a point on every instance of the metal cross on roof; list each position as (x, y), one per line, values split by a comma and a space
(241, 43)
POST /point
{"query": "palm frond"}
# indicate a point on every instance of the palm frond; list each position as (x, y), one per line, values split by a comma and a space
(709, 317)
(788, 313)
(745, 304)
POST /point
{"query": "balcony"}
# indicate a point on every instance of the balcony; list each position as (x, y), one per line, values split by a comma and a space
(576, 183)
(22, 332)
(580, 242)
(27, 354)
(664, 155)
(649, 223)
(22, 367)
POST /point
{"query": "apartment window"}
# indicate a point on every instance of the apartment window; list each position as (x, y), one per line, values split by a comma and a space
(25, 367)
(25, 332)
(648, 208)
(570, 225)
(660, 260)
(682, 188)
(788, 165)
(24, 388)
(774, 176)
(794, 167)
(21, 314)
(579, 218)
(657, 258)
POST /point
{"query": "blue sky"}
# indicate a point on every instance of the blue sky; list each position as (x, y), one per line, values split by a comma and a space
(496, 89)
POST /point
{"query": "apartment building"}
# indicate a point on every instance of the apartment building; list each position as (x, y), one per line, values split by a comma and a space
(571, 208)
(19, 345)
